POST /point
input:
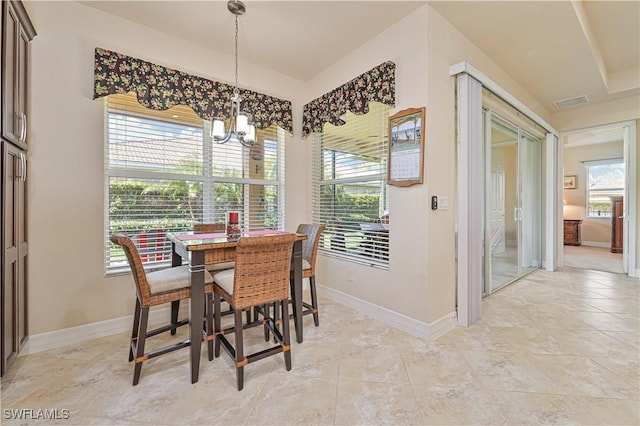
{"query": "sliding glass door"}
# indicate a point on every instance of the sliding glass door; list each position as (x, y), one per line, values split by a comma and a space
(530, 210)
(513, 202)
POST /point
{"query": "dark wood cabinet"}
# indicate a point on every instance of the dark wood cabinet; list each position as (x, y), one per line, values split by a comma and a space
(572, 236)
(617, 216)
(17, 31)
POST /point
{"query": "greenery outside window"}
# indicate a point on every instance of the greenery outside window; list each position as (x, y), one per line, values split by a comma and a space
(605, 179)
(350, 189)
(163, 173)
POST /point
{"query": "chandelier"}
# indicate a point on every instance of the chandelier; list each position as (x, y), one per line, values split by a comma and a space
(239, 127)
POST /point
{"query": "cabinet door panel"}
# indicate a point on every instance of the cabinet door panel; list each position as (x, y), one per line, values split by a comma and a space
(15, 75)
(10, 114)
(22, 88)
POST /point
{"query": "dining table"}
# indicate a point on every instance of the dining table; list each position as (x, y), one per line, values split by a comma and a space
(199, 250)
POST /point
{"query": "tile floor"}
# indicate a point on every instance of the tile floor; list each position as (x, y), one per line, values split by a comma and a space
(554, 348)
(596, 258)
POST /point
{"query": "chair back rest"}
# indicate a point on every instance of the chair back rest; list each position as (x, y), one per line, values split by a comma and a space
(262, 269)
(310, 245)
(207, 228)
(135, 263)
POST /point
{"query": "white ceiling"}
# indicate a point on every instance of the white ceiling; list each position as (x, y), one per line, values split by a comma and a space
(296, 38)
(555, 49)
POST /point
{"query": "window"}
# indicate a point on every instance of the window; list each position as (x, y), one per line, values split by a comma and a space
(163, 173)
(350, 190)
(605, 179)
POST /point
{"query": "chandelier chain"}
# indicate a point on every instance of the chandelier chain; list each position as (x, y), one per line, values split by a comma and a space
(241, 128)
(236, 88)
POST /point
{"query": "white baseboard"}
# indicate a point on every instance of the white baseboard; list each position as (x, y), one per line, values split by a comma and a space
(596, 244)
(412, 326)
(82, 333)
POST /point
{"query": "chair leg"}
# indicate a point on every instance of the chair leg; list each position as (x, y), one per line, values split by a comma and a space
(285, 333)
(209, 310)
(240, 361)
(314, 300)
(266, 313)
(276, 314)
(216, 321)
(175, 306)
(134, 332)
(142, 334)
(293, 305)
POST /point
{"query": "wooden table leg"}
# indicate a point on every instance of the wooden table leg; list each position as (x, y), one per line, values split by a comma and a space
(297, 289)
(176, 259)
(197, 310)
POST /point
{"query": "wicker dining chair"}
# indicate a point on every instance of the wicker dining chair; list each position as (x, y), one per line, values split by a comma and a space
(154, 288)
(309, 255)
(261, 277)
(210, 228)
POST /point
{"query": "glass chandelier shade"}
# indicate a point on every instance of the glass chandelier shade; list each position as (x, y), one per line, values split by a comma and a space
(240, 128)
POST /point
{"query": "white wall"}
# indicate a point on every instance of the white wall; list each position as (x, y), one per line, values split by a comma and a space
(67, 286)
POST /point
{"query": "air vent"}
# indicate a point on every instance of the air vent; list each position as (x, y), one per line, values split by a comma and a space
(571, 102)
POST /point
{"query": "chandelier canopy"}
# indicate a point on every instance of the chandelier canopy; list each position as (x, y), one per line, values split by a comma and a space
(240, 127)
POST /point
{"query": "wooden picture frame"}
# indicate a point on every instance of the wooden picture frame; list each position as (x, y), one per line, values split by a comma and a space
(405, 165)
(570, 182)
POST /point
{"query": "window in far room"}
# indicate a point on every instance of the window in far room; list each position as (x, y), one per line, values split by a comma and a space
(605, 179)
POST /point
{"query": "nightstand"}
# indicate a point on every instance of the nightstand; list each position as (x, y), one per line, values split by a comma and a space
(572, 235)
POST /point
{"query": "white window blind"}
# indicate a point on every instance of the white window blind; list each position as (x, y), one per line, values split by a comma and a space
(163, 173)
(605, 180)
(349, 187)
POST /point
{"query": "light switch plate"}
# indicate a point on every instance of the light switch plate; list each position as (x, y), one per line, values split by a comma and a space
(443, 202)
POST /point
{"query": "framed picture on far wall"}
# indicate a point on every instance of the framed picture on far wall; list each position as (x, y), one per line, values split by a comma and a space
(406, 147)
(570, 182)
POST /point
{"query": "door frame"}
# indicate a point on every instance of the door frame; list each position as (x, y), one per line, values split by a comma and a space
(630, 221)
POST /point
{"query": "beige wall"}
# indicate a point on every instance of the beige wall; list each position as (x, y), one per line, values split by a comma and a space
(403, 288)
(593, 230)
(420, 282)
(67, 286)
(446, 46)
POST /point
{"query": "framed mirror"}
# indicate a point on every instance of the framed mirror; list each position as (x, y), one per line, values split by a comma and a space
(405, 165)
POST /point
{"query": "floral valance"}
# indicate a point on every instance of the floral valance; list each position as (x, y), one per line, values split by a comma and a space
(375, 85)
(161, 88)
